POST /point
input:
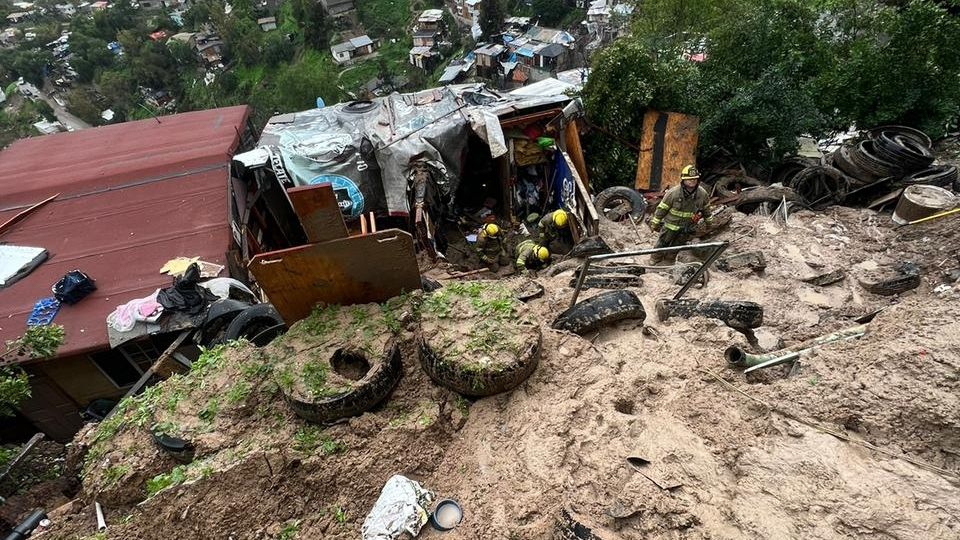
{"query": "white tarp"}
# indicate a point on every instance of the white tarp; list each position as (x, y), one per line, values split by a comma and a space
(18, 261)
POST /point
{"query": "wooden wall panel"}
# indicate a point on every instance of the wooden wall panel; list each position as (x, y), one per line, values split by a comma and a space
(317, 208)
(668, 143)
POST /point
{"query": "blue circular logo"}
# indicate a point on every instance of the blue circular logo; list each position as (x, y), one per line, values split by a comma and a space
(349, 197)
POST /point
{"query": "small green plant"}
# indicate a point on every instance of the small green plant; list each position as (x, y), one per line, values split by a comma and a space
(174, 398)
(285, 379)
(813, 381)
(315, 379)
(340, 515)
(161, 482)
(209, 412)
(165, 428)
(321, 321)
(308, 439)
(463, 405)
(289, 530)
(113, 474)
(238, 392)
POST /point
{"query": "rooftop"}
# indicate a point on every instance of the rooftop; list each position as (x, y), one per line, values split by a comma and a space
(131, 197)
(431, 15)
(361, 41)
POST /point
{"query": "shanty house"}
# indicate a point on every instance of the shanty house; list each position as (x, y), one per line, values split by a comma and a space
(123, 200)
(353, 48)
(337, 7)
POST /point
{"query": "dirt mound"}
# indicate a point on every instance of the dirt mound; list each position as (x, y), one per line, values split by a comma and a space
(548, 459)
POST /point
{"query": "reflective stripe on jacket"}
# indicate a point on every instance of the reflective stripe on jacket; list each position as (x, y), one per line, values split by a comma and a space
(677, 208)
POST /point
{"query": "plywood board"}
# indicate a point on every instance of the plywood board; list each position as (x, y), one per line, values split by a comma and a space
(357, 270)
(668, 143)
(317, 208)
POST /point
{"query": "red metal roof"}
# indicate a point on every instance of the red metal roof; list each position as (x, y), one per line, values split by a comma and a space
(133, 196)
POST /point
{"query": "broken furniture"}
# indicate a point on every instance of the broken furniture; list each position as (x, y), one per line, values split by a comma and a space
(717, 247)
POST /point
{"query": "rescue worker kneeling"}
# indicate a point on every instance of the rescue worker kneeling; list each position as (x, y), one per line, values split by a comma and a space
(490, 247)
(678, 214)
(531, 256)
(551, 227)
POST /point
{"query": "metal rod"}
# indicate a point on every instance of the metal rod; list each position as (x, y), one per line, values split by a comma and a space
(580, 280)
(719, 247)
(703, 268)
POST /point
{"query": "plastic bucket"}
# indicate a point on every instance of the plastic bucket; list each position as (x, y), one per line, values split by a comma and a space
(918, 202)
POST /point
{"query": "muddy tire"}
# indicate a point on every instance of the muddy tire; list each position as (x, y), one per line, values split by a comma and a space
(620, 203)
(731, 186)
(734, 313)
(479, 382)
(608, 281)
(593, 245)
(366, 393)
(601, 310)
(890, 287)
(259, 323)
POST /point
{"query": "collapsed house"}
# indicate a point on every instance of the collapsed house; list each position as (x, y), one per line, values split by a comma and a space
(439, 162)
(118, 202)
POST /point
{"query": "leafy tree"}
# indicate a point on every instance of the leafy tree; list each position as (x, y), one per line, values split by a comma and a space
(36, 342)
(80, 103)
(277, 49)
(492, 15)
(31, 65)
(551, 12)
(119, 87)
(90, 54)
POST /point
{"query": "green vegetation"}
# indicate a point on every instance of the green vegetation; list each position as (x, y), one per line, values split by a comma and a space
(314, 376)
(113, 474)
(163, 481)
(289, 530)
(210, 410)
(36, 342)
(340, 515)
(773, 70)
(238, 392)
(385, 18)
(311, 438)
(7, 455)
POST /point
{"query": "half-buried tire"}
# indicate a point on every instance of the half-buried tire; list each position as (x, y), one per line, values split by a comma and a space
(342, 361)
(601, 310)
(373, 387)
(477, 339)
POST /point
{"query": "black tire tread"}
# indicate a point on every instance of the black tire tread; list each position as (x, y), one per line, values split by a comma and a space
(479, 383)
(605, 308)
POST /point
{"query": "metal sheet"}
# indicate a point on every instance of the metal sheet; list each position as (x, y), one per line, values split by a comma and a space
(357, 270)
(317, 208)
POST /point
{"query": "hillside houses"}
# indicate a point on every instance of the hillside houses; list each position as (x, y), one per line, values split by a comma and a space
(353, 48)
(429, 36)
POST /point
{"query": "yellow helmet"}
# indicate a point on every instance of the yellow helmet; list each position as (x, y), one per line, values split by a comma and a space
(689, 172)
(491, 229)
(560, 218)
(542, 253)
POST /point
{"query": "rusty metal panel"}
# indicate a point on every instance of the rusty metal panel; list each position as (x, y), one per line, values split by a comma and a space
(317, 208)
(355, 270)
(667, 144)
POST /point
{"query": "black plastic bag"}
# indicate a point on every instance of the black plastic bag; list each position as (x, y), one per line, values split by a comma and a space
(73, 287)
(186, 295)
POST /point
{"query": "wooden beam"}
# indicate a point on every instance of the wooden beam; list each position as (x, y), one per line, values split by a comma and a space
(24, 452)
(20, 216)
(157, 368)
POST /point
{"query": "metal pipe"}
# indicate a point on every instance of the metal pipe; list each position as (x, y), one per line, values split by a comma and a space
(27, 526)
(738, 357)
(719, 247)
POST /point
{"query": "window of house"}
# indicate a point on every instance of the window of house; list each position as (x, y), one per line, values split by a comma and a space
(127, 363)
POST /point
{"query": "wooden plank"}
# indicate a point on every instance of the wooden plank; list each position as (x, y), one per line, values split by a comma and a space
(668, 143)
(356, 270)
(158, 368)
(575, 149)
(586, 210)
(24, 452)
(21, 215)
(317, 208)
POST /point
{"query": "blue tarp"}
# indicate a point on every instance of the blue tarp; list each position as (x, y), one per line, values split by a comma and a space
(523, 51)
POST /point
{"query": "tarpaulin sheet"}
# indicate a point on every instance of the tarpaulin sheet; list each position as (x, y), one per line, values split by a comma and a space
(366, 150)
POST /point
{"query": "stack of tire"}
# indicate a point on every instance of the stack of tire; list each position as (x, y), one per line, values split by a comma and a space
(884, 158)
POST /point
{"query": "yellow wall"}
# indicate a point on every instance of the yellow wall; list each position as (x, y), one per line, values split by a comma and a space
(80, 379)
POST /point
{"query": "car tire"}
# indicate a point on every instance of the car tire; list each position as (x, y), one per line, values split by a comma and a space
(259, 323)
(614, 197)
(474, 382)
(373, 388)
(600, 310)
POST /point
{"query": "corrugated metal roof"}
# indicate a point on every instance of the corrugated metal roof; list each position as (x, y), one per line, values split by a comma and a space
(361, 41)
(133, 196)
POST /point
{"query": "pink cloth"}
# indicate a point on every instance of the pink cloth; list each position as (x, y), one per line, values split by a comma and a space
(125, 317)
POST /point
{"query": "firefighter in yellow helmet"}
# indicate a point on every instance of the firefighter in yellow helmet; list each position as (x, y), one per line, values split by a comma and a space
(550, 227)
(490, 247)
(531, 256)
(679, 212)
